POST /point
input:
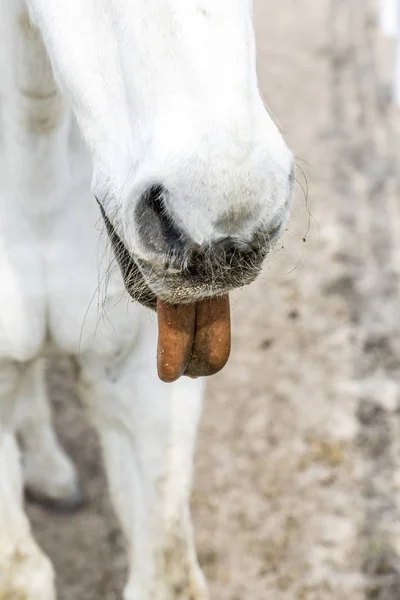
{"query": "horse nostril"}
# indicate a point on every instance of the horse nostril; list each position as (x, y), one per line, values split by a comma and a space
(154, 198)
(224, 249)
(157, 229)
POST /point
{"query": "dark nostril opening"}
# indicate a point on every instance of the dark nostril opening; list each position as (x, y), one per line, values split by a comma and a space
(154, 199)
(157, 228)
(227, 247)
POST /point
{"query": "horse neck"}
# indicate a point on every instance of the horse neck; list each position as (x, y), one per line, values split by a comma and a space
(35, 120)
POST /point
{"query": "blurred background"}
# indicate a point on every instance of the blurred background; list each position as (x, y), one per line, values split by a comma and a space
(297, 487)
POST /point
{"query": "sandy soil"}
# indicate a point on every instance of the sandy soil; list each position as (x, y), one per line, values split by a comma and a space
(298, 465)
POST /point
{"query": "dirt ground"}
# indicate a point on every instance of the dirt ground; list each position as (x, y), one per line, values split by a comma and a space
(297, 490)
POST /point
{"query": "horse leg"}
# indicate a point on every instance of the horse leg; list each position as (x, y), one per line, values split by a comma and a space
(25, 572)
(147, 431)
(49, 474)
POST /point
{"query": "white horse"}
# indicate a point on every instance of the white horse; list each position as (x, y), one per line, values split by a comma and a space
(151, 106)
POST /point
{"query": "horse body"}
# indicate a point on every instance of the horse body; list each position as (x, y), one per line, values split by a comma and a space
(191, 124)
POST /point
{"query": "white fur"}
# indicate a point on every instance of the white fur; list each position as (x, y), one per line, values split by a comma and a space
(389, 17)
(390, 25)
(161, 90)
(182, 74)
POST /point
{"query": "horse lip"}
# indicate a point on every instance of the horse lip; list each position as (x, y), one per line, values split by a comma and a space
(175, 289)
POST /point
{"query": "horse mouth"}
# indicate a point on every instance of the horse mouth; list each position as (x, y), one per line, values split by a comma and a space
(194, 335)
(205, 275)
(191, 300)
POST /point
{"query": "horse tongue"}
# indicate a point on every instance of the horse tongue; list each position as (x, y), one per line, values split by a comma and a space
(176, 333)
(212, 342)
(193, 339)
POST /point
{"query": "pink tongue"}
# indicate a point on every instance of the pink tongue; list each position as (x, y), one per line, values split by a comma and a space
(193, 339)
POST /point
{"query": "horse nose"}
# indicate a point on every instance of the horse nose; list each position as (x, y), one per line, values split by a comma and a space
(167, 243)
